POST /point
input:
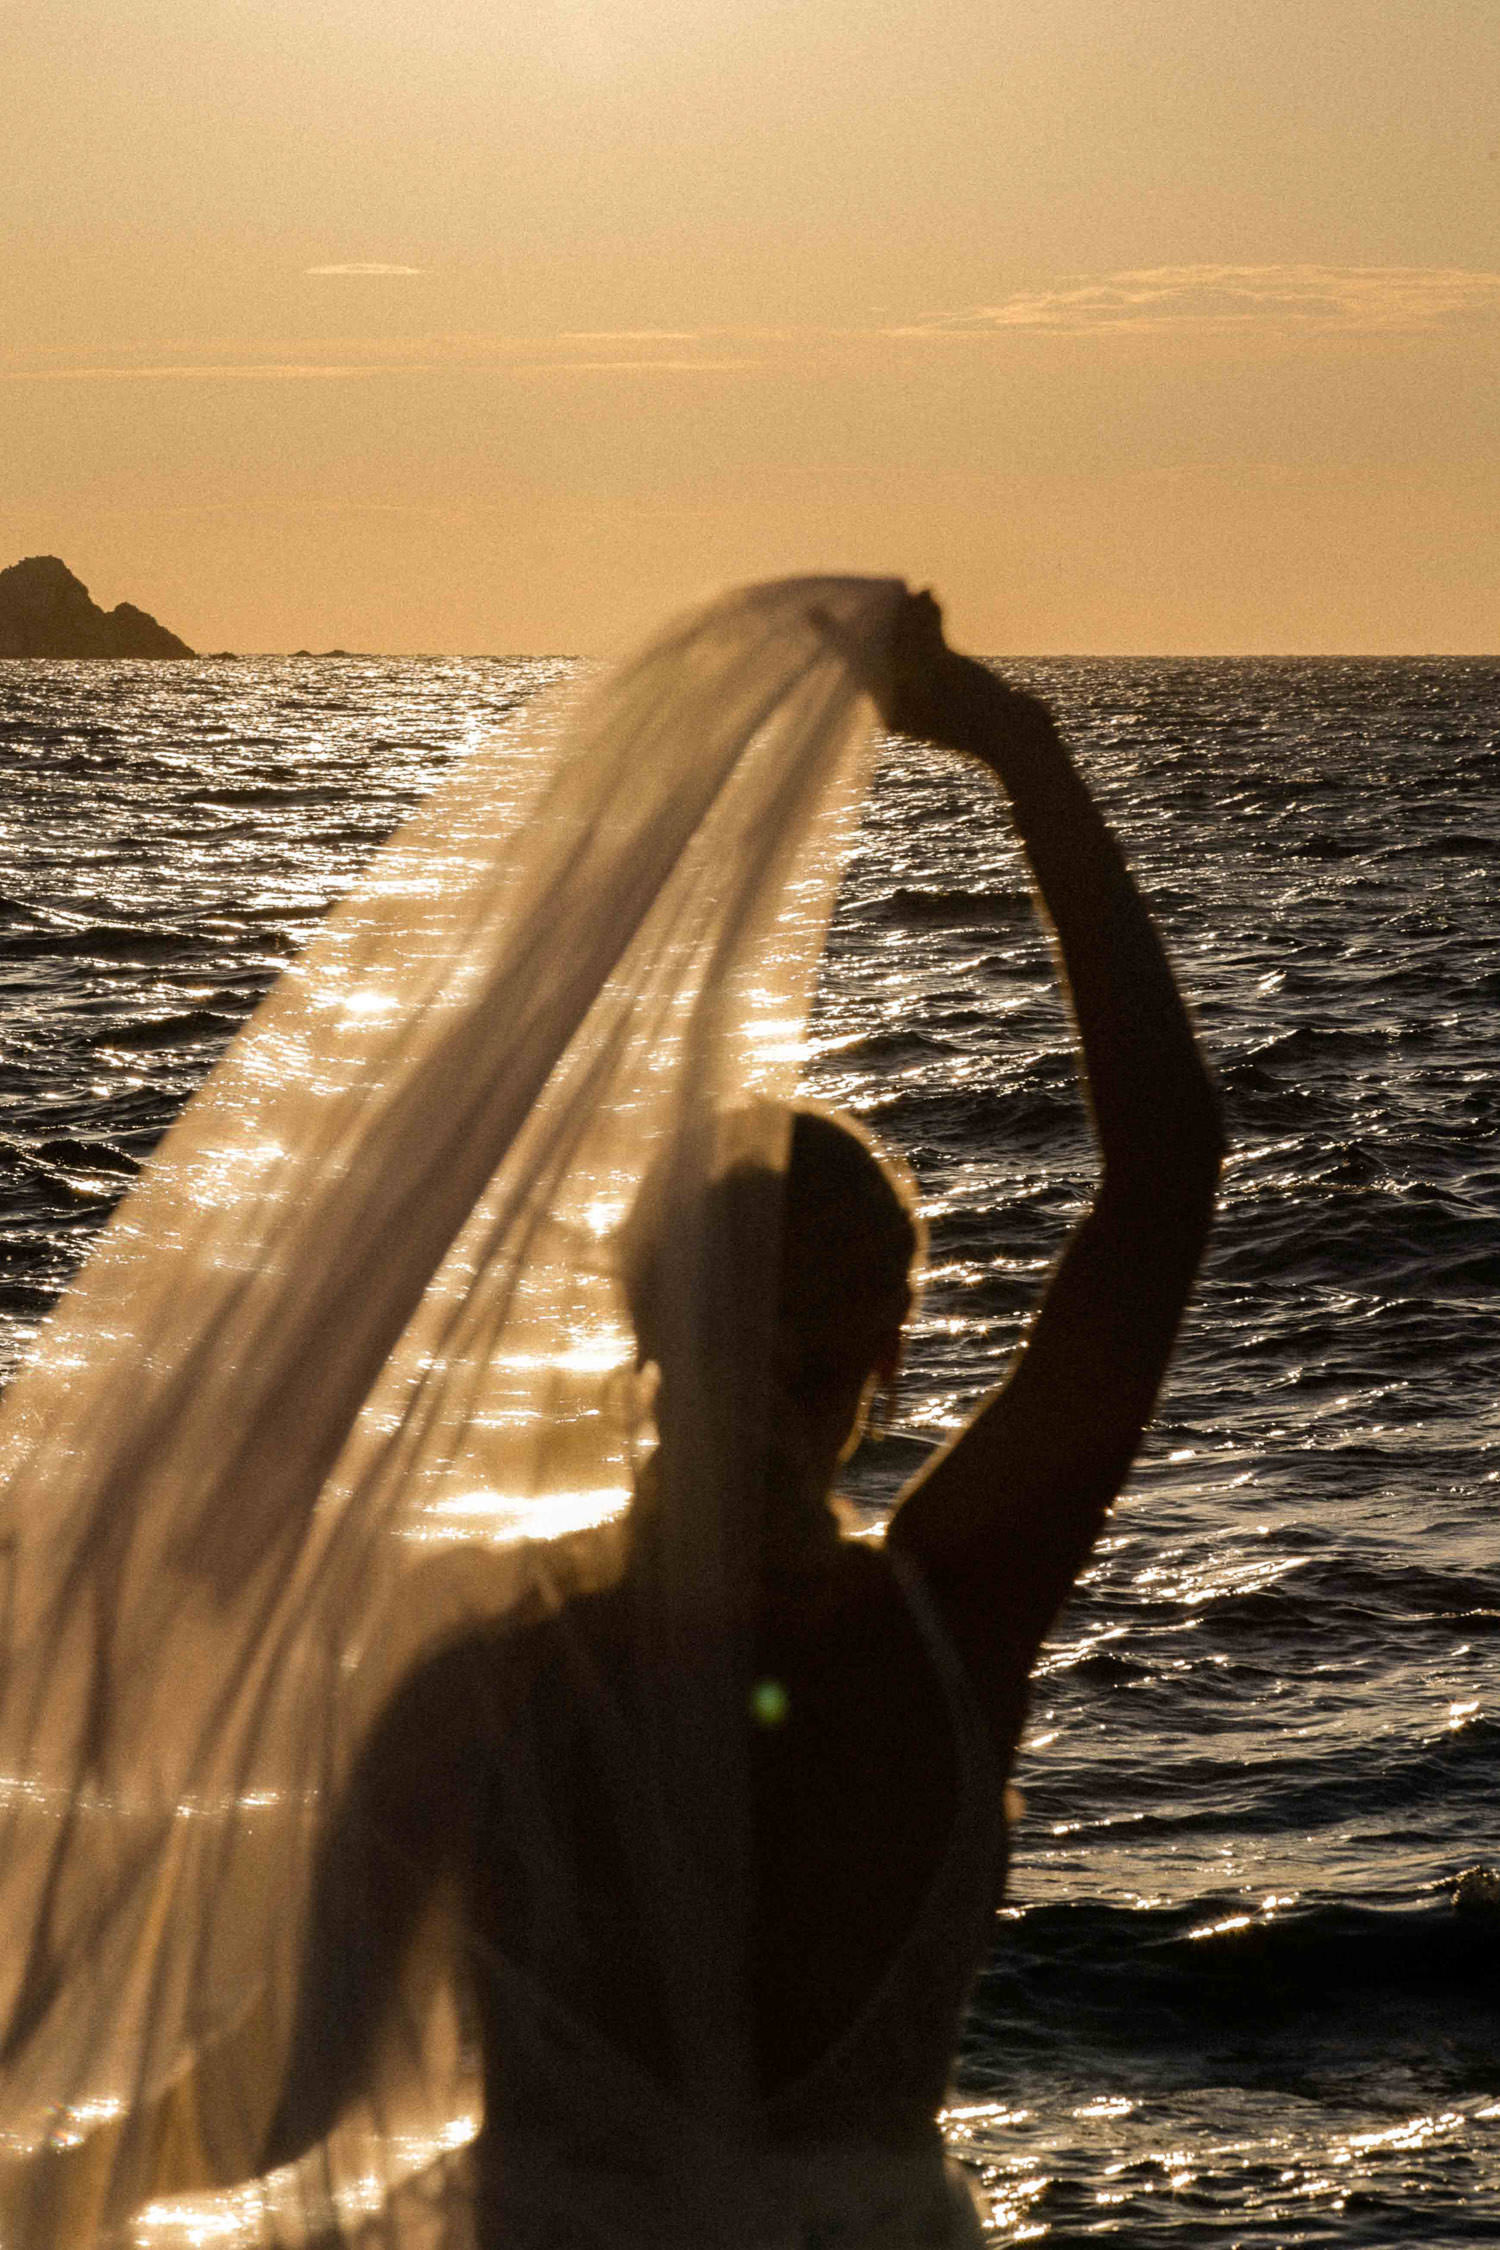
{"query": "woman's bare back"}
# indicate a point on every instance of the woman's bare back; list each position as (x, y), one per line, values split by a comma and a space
(854, 1792)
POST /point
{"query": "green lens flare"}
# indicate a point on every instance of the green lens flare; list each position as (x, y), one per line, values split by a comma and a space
(769, 1703)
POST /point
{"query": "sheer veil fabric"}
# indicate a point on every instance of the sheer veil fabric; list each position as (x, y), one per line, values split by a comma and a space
(349, 1369)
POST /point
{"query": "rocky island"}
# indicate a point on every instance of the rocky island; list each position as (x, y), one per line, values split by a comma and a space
(46, 611)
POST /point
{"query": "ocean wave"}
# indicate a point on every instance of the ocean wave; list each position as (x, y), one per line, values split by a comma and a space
(989, 908)
(1450, 843)
(1134, 1974)
(43, 940)
(1325, 868)
(188, 1029)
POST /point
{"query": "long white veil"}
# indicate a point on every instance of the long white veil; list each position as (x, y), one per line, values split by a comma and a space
(349, 1366)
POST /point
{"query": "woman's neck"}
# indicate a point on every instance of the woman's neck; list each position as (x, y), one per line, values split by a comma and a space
(797, 1525)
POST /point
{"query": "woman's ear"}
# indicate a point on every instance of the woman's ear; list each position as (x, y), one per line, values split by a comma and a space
(890, 1349)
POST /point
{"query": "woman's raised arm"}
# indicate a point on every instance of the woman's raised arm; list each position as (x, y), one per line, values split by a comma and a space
(1002, 1521)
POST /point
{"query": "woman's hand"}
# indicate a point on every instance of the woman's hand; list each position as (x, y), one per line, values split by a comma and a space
(936, 695)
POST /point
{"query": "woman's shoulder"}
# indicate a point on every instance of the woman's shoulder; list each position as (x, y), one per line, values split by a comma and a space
(526, 1645)
(485, 1670)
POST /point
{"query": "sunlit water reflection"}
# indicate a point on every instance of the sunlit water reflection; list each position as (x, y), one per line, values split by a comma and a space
(1242, 1994)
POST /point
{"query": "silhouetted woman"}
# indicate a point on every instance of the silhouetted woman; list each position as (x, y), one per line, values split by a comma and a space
(890, 1680)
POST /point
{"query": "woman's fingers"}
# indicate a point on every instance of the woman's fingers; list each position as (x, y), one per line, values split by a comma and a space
(926, 690)
(917, 635)
(901, 689)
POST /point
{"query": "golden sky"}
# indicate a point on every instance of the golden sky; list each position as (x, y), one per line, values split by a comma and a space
(1131, 325)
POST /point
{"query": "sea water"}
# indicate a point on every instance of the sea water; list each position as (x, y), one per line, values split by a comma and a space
(1245, 1990)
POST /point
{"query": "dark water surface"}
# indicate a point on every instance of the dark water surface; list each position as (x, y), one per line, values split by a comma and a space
(1245, 1992)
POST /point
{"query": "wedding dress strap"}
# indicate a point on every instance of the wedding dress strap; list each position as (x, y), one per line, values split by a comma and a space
(971, 1726)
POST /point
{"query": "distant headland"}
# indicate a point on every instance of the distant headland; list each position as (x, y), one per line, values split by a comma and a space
(46, 611)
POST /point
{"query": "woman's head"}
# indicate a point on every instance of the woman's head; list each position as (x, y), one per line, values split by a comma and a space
(842, 1224)
(850, 1240)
